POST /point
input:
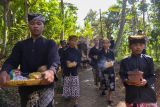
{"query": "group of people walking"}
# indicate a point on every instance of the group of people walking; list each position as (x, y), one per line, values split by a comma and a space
(136, 72)
(102, 62)
(32, 53)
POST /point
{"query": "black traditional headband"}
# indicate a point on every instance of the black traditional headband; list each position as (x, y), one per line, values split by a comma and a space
(137, 39)
(38, 17)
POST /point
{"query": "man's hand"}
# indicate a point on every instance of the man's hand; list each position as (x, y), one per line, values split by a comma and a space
(143, 82)
(109, 64)
(74, 64)
(4, 77)
(17, 72)
(71, 64)
(48, 77)
(95, 57)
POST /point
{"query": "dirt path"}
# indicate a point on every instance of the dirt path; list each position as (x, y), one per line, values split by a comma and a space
(90, 96)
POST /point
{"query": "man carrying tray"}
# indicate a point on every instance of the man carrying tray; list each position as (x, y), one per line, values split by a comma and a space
(30, 54)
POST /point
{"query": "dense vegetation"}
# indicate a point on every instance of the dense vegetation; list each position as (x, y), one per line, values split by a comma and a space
(119, 21)
(124, 18)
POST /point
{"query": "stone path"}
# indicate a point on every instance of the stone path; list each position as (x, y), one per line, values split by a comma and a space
(90, 96)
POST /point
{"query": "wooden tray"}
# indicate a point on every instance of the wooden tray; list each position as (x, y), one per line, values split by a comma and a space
(30, 82)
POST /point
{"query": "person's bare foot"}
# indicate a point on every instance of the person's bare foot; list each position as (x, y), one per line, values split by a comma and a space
(76, 105)
(110, 102)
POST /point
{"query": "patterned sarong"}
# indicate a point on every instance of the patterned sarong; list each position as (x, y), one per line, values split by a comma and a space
(41, 98)
(71, 87)
(143, 105)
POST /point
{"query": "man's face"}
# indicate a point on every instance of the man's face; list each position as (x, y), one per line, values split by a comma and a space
(106, 44)
(36, 27)
(73, 42)
(96, 42)
(137, 48)
(63, 44)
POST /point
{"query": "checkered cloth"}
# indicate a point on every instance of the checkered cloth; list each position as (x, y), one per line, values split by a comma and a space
(157, 83)
(143, 105)
(41, 98)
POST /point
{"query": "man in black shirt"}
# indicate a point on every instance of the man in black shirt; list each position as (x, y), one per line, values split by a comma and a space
(30, 54)
(139, 91)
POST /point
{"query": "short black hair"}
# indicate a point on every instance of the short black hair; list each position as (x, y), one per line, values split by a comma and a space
(62, 42)
(139, 32)
(72, 37)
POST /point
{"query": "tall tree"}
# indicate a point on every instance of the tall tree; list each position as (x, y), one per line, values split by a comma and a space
(63, 20)
(26, 9)
(112, 19)
(143, 7)
(134, 15)
(91, 18)
(120, 33)
(5, 4)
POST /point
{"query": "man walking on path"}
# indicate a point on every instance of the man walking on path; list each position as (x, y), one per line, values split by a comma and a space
(30, 54)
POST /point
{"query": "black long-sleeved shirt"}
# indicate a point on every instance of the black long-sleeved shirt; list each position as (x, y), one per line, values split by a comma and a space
(71, 54)
(30, 55)
(136, 94)
(94, 52)
(105, 56)
(61, 52)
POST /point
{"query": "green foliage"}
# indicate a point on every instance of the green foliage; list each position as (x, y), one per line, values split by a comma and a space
(134, 21)
(17, 28)
(88, 30)
(115, 9)
(143, 7)
(50, 9)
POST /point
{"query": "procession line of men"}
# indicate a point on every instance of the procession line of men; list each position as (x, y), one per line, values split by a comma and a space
(32, 53)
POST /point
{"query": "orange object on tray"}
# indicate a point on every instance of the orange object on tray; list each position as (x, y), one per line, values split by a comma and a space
(135, 77)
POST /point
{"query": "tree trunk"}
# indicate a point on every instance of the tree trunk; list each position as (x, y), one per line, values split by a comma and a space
(5, 12)
(120, 33)
(62, 16)
(101, 32)
(26, 11)
(156, 51)
(144, 24)
(10, 24)
(134, 18)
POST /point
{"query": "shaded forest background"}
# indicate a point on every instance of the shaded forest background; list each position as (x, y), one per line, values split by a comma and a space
(122, 19)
